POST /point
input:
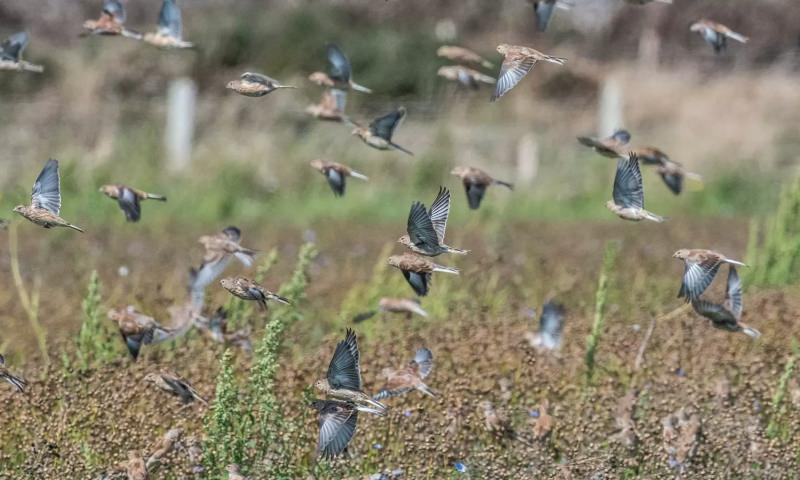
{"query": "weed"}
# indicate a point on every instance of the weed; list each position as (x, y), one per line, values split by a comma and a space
(609, 257)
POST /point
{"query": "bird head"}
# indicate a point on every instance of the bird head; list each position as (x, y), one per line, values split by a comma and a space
(394, 261)
(502, 49)
(322, 385)
(458, 170)
(359, 131)
(151, 377)
(233, 85)
(108, 190)
(19, 208)
(320, 78)
(682, 254)
(696, 27)
(405, 240)
(227, 283)
(318, 164)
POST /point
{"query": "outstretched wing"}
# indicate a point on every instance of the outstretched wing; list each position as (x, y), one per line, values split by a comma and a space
(514, 69)
(423, 361)
(339, 64)
(343, 371)
(440, 210)
(46, 192)
(169, 19)
(733, 293)
(115, 9)
(257, 78)
(543, 11)
(628, 190)
(420, 228)
(697, 276)
(12, 47)
(129, 203)
(384, 126)
(337, 425)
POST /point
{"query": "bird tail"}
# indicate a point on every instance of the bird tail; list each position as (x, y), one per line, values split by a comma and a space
(131, 34)
(364, 316)
(735, 262)
(279, 299)
(285, 86)
(374, 411)
(153, 196)
(440, 268)
(487, 64)
(74, 227)
(556, 60)
(18, 383)
(508, 185)
(457, 251)
(398, 147)
(750, 332)
(416, 308)
(359, 176)
(376, 404)
(653, 217)
(426, 390)
(665, 1)
(360, 88)
(736, 36)
(246, 256)
(587, 141)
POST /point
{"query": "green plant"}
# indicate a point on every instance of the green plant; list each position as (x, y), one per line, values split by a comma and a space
(95, 346)
(29, 301)
(775, 428)
(601, 296)
(224, 443)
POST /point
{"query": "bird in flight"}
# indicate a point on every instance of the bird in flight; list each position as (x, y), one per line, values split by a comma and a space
(628, 193)
(517, 62)
(138, 329)
(462, 55)
(700, 268)
(337, 425)
(476, 181)
(170, 28)
(426, 228)
(128, 199)
(671, 172)
(408, 378)
(11, 54)
(340, 73)
(111, 22)
(45, 206)
(418, 270)
(380, 131)
(15, 381)
(255, 85)
(220, 249)
(247, 289)
(716, 34)
(394, 305)
(331, 106)
(465, 76)
(551, 325)
(336, 174)
(172, 383)
(727, 316)
(611, 146)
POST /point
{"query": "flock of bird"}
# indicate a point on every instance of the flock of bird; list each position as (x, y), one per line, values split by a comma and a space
(425, 228)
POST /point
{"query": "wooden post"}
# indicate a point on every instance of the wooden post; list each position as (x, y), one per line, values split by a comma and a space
(181, 98)
(527, 159)
(610, 114)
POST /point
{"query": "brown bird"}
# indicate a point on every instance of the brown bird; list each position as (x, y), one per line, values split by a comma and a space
(716, 34)
(426, 228)
(394, 305)
(476, 181)
(255, 85)
(701, 267)
(337, 174)
(164, 445)
(380, 131)
(462, 55)
(727, 316)
(496, 422)
(233, 472)
(135, 468)
(628, 193)
(544, 422)
(16, 382)
(170, 382)
(220, 248)
(111, 22)
(418, 270)
(331, 106)
(671, 172)
(45, 204)
(340, 73)
(551, 326)
(170, 28)
(337, 425)
(408, 378)
(128, 199)
(343, 379)
(465, 76)
(138, 329)
(249, 290)
(612, 146)
(517, 62)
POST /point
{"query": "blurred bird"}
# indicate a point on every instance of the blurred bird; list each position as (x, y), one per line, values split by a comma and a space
(394, 305)
(681, 435)
(12, 47)
(45, 204)
(128, 199)
(111, 22)
(543, 11)
(551, 325)
(462, 55)
(496, 422)
(164, 445)
(671, 172)
(3, 223)
(611, 147)
(700, 268)
(544, 422)
(337, 174)
(136, 469)
(340, 73)
(426, 228)
(628, 193)
(343, 379)
(18, 382)
(170, 382)
(716, 34)
(233, 472)
(138, 329)
(726, 316)
(465, 76)
(255, 85)
(476, 181)
(249, 290)
(331, 106)
(337, 425)
(379, 133)
(220, 248)
(408, 378)
(645, 2)
(517, 62)
(418, 270)
(170, 28)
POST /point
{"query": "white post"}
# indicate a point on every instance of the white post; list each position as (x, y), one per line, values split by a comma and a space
(527, 159)
(181, 98)
(610, 114)
(649, 47)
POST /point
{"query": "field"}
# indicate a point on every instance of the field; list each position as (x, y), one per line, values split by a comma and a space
(632, 354)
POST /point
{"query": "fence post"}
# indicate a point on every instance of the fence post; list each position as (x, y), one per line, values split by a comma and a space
(611, 101)
(527, 159)
(181, 97)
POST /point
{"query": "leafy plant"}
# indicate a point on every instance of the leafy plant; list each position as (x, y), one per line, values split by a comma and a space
(601, 296)
(95, 346)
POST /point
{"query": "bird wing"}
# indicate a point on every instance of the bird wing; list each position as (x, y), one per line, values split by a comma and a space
(337, 425)
(419, 281)
(673, 180)
(339, 99)
(214, 263)
(336, 180)
(552, 320)
(515, 67)
(475, 192)
(115, 9)
(733, 293)
(397, 384)
(628, 190)
(46, 192)
(339, 65)
(697, 276)
(129, 203)
(343, 371)
(440, 210)
(423, 361)
(420, 227)
(258, 78)
(384, 126)
(169, 20)
(543, 11)
(12, 47)
(713, 311)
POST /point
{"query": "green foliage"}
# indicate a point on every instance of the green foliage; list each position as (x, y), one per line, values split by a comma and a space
(224, 443)
(776, 427)
(95, 345)
(601, 296)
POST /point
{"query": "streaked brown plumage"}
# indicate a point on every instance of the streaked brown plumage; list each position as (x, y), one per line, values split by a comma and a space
(462, 55)
(220, 249)
(716, 34)
(671, 172)
(544, 423)
(138, 329)
(426, 229)
(465, 76)
(45, 206)
(408, 378)
(612, 146)
(17, 382)
(249, 290)
(418, 270)
(394, 305)
(163, 446)
(476, 181)
(496, 422)
(255, 85)
(379, 133)
(331, 106)
(170, 382)
(111, 22)
(700, 268)
(129, 199)
(340, 72)
(135, 467)
(170, 28)
(517, 62)
(336, 174)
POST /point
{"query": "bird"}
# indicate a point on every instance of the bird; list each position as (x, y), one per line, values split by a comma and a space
(426, 228)
(12, 47)
(726, 316)
(138, 329)
(220, 249)
(255, 85)
(340, 73)
(379, 133)
(249, 290)
(418, 270)
(128, 199)
(337, 174)
(170, 382)
(337, 425)
(408, 378)
(496, 422)
(343, 379)
(551, 325)
(465, 76)
(17, 382)
(671, 172)
(233, 472)
(517, 62)
(476, 181)
(170, 28)
(45, 204)
(716, 34)
(164, 445)
(611, 146)
(111, 22)
(543, 11)
(628, 193)
(135, 468)
(394, 305)
(700, 268)
(331, 106)
(462, 55)
(544, 422)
